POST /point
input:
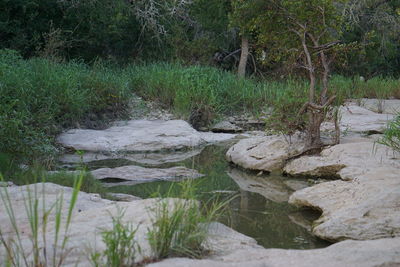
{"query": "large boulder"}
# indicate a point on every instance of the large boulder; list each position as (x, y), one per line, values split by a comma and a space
(267, 153)
(139, 136)
(91, 216)
(372, 253)
(131, 175)
(366, 208)
(365, 204)
(346, 161)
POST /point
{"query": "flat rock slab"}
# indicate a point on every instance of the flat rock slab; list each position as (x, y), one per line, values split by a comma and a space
(137, 175)
(91, 216)
(357, 119)
(372, 253)
(386, 106)
(267, 153)
(345, 161)
(226, 127)
(362, 209)
(365, 204)
(139, 136)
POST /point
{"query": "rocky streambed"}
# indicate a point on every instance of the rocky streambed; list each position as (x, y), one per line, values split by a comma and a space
(359, 207)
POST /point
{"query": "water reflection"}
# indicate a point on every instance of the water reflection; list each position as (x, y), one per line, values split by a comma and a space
(260, 211)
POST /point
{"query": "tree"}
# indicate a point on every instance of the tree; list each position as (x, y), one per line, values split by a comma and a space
(242, 16)
(300, 33)
(374, 26)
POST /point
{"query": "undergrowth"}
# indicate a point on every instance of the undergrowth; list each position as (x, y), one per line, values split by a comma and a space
(39, 98)
(42, 250)
(180, 227)
(391, 136)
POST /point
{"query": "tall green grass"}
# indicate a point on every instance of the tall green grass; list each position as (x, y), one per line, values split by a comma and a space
(38, 213)
(391, 136)
(39, 98)
(180, 228)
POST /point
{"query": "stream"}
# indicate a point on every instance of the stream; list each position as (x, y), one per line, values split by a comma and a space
(259, 207)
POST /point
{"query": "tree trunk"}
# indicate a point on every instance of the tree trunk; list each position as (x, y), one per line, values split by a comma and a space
(243, 57)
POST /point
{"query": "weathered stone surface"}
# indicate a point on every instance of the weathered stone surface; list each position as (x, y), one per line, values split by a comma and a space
(372, 253)
(226, 127)
(357, 119)
(345, 160)
(269, 187)
(122, 197)
(139, 136)
(364, 206)
(264, 153)
(137, 175)
(387, 106)
(147, 158)
(91, 216)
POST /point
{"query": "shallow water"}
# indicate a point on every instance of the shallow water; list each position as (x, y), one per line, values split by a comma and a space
(260, 209)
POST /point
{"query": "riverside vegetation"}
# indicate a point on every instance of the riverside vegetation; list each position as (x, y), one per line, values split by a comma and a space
(39, 97)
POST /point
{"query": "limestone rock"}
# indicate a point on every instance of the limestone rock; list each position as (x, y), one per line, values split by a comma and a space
(345, 160)
(138, 136)
(366, 205)
(357, 119)
(130, 175)
(122, 197)
(225, 127)
(372, 253)
(386, 106)
(264, 153)
(366, 208)
(91, 216)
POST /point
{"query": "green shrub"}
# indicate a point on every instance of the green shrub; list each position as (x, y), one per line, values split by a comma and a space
(121, 246)
(180, 226)
(391, 136)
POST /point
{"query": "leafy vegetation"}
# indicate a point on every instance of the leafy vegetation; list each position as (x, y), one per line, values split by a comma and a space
(180, 227)
(121, 246)
(391, 137)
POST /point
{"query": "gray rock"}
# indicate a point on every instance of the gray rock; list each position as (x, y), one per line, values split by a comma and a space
(122, 197)
(346, 161)
(359, 120)
(372, 253)
(366, 205)
(366, 208)
(226, 127)
(387, 106)
(136, 175)
(91, 216)
(6, 184)
(267, 153)
(139, 136)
